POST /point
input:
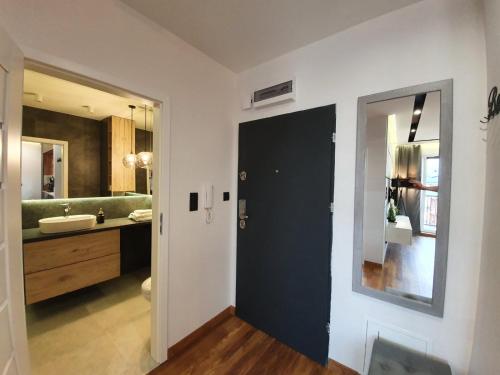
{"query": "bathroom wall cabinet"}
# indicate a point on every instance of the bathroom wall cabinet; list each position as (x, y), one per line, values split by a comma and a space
(119, 140)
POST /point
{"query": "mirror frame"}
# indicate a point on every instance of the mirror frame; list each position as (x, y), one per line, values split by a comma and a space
(435, 308)
(65, 156)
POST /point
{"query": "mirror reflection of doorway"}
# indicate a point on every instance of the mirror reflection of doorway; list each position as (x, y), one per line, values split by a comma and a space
(44, 168)
(401, 195)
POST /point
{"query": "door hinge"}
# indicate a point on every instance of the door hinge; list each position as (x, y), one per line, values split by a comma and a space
(331, 207)
(328, 328)
(161, 223)
(334, 137)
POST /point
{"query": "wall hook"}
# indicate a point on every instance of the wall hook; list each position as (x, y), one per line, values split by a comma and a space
(493, 105)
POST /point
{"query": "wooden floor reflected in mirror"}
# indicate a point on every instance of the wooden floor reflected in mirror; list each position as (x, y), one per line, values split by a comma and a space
(407, 270)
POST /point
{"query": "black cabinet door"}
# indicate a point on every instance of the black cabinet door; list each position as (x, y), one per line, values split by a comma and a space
(283, 282)
(135, 247)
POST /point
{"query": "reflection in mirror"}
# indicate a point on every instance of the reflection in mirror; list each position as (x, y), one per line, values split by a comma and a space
(44, 168)
(400, 189)
(93, 130)
(93, 157)
(401, 195)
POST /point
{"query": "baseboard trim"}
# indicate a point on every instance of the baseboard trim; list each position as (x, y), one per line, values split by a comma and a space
(340, 369)
(197, 334)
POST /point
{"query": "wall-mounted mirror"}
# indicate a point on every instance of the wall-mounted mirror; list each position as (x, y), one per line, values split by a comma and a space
(403, 177)
(44, 168)
(96, 129)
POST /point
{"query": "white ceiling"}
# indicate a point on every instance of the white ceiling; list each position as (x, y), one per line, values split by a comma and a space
(428, 127)
(241, 34)
(63, 96)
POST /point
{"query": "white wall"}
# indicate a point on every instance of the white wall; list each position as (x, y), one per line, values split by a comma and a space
(374, 208)
(31, 172)
(431, 40)
(58, 172)
(106, 40)
(487, 335)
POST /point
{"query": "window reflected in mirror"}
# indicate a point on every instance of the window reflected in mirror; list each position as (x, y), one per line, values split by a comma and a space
(401, 195)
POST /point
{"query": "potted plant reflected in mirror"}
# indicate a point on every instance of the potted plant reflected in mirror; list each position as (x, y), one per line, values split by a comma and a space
(392, 212)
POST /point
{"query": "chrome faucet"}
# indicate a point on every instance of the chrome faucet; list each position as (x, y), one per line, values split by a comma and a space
(67, 209)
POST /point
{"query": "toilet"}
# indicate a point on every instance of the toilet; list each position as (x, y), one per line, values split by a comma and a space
(146, 289)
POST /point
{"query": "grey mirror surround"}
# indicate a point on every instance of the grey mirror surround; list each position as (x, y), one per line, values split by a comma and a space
(435, 308)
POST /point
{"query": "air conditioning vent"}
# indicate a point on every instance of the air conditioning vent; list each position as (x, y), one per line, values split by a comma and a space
(279, 93)
(273, 91)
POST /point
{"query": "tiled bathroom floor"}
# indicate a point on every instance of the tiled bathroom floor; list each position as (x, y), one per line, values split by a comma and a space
(103, 329)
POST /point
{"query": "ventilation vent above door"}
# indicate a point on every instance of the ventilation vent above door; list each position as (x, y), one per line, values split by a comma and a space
(274, 94)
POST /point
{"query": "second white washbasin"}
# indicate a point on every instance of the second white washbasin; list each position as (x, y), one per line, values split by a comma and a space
(66, 223)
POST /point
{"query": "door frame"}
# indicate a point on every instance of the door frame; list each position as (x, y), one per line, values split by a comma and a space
(161, 182)
(11, 60)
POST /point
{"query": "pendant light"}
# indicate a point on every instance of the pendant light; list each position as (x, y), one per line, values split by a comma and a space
(130, 159)
(144, 158)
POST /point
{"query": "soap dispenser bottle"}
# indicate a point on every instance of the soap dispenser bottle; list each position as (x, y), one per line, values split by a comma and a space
(100, 216)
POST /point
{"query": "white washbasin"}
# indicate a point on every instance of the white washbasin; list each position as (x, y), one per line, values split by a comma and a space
(66, 223)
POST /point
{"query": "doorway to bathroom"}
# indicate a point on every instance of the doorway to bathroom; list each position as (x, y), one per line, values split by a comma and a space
(92, 224)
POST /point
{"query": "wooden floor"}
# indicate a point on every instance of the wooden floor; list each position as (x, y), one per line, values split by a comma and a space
(407, 269)
(234, 347)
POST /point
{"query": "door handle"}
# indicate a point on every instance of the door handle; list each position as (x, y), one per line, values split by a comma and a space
(242, 213)
(242, 209)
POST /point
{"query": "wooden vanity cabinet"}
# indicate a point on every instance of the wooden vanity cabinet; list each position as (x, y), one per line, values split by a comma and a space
(61, 265)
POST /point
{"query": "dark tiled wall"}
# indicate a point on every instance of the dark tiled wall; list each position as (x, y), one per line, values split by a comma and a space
(84, 143)
(84, 139)
(140, 174)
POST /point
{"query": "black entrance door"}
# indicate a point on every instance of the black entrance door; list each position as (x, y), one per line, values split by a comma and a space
(285, 180)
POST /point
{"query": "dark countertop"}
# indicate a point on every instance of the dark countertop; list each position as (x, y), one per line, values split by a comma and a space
(34, 234)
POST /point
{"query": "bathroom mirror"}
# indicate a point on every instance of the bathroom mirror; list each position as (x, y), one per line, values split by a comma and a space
(92, 156)
(402, 195)
(44, 167)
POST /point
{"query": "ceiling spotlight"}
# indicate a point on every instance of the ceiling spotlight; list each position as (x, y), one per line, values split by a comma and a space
(89, 108)
(417, 112)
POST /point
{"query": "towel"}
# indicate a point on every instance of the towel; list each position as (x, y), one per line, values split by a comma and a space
(140, 218)
(145, 211)
(141, 215)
